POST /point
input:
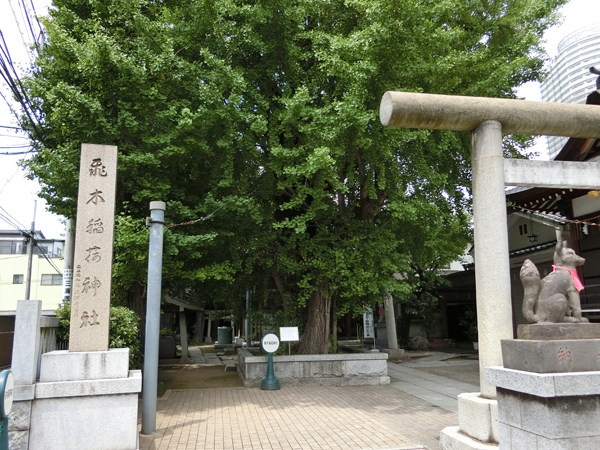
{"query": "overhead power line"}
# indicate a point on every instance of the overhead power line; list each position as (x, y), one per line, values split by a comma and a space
(45, 255)
(12, 221)
(16, 136)
(30, 115)
(18, 153)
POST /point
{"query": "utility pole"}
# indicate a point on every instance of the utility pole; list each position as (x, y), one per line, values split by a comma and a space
(68, 254)
(30, 255)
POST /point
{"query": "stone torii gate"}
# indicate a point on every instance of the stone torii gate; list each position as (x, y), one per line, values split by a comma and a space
(487, 119)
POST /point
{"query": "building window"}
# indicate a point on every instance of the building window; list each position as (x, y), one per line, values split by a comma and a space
(51, 280)
(17, 279)
(12, 248)
(523, 229)
(41, 250)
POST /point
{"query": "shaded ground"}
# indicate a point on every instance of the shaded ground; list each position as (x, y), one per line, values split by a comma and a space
(466, 374)
(460, 365)
(196, 377)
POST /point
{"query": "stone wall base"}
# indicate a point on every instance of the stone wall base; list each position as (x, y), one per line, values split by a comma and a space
(528, 421)
(85, 401)
(357, 369)
(18, 440)
(547, 411)
(102, 422)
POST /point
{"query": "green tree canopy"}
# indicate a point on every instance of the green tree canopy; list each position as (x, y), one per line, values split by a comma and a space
(268, 112)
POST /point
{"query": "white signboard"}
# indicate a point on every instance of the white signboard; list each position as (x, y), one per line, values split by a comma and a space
(9, 384)
(270, 343)
(369, 332)
(67, 283)
(289, 334)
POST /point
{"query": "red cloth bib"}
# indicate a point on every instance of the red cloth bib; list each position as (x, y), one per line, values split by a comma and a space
(576, 280)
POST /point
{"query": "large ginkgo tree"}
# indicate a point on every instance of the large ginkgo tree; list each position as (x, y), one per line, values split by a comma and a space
(267, 113)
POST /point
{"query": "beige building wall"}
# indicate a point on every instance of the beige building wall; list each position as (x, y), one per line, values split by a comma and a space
(49, 294)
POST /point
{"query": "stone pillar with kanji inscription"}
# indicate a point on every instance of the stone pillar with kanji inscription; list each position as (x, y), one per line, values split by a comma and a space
(90, 304)
(89, 386)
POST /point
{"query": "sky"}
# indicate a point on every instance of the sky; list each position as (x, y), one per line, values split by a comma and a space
(18, 195)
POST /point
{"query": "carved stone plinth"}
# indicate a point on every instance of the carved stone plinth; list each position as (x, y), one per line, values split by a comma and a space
(555, 403)
(96, 395)
(558, 331)
(574, 355)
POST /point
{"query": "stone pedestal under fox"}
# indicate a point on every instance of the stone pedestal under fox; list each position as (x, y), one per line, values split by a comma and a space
(554, 299)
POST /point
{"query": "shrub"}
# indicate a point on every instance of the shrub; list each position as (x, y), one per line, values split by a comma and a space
(418, 343)
(167, 332)
(123, 331)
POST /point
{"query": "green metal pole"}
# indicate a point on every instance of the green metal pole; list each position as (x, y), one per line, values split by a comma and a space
(6, 401)
(270, 383)
(4, 434)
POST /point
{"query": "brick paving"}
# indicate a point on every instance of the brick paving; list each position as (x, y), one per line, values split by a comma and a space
(298, 418)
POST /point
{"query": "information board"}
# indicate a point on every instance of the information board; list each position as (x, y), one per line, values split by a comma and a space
(368, 325)
(289, 334)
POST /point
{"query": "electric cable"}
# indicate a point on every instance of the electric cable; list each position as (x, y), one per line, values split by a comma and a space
(43, 253)
(20, 226)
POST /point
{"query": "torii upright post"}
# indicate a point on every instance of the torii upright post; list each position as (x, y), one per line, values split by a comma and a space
(487, 119)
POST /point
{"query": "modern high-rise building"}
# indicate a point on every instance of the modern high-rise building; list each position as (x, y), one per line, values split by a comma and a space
(570, 80)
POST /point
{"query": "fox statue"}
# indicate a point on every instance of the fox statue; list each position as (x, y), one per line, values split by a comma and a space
(554, 299)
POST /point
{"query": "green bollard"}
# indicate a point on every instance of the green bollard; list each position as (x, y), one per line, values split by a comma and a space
(4, 434)
(270, 344)
(6, 399)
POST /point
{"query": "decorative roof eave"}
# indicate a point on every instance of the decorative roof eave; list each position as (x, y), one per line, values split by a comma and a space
(533, 248)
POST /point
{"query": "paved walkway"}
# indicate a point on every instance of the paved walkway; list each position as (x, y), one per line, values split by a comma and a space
(413, 378)
(198, 357)
(409, 414)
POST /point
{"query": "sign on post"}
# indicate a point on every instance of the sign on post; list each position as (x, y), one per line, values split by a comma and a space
(90, 299)
(7, 384)
(368, 324)
(289, 334)
(270, 343)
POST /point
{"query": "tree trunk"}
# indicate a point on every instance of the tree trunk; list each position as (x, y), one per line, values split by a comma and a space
(349, 327)
(327, 323)
(283, 293)
(405, 321)
(314, 339)
(136, 302)
(199, 327)
(390, 321)
(334, 325)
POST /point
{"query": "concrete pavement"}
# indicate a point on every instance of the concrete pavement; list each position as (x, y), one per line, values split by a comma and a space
(409, 414)
(453, 375)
